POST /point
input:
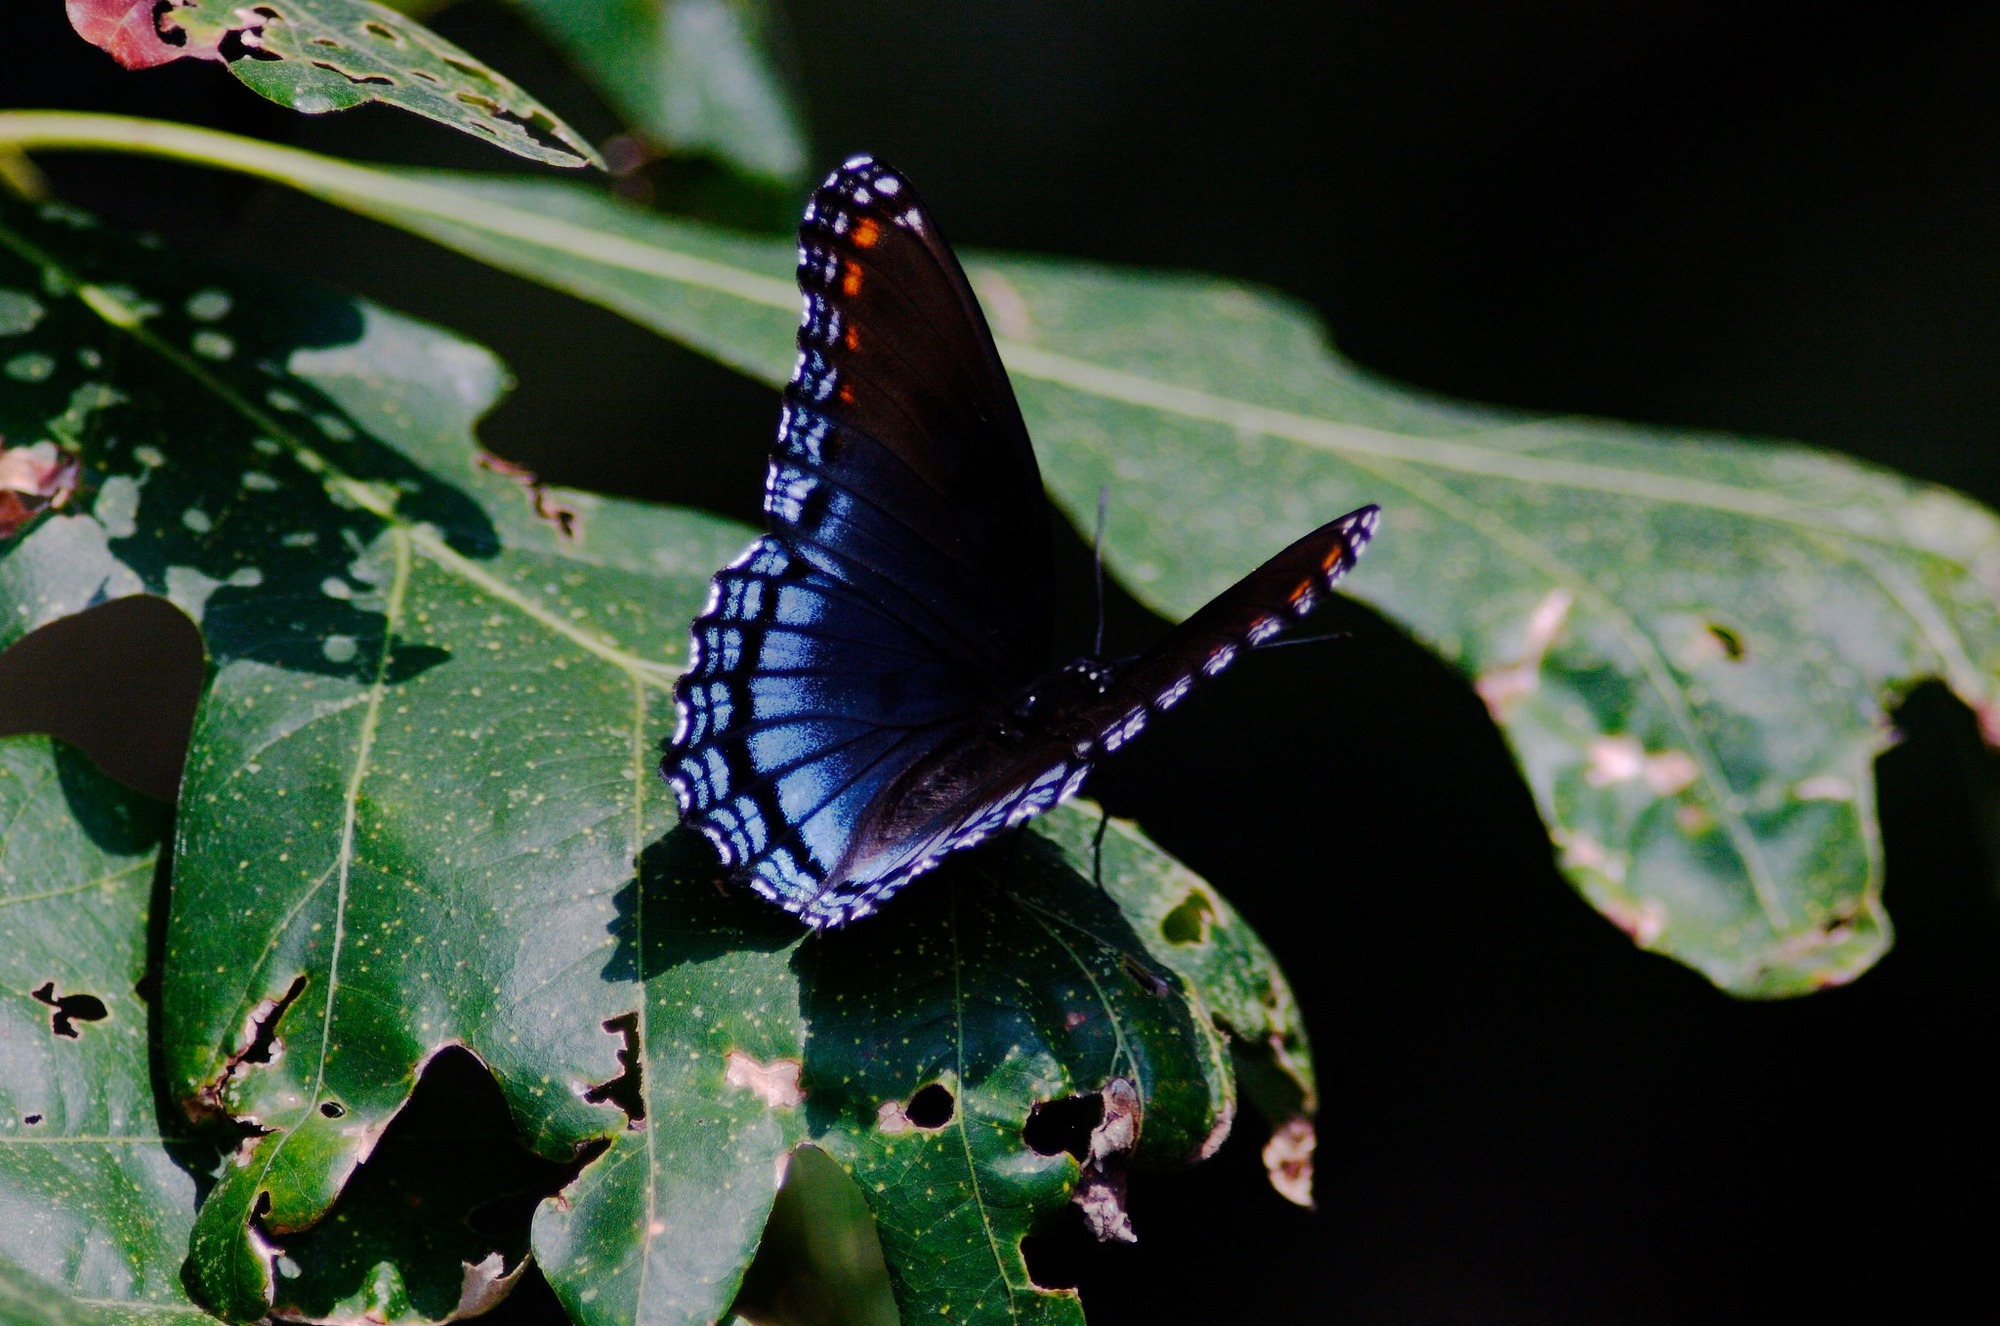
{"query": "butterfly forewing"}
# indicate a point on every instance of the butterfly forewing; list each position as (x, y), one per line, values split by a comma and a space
(902, 591)
(901, 407)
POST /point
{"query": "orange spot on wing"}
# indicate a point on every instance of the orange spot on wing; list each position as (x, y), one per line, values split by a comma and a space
(1304, 591)
(1334, 557)
(850, 279)
(853, 337)
(867, 233)
(847, 395)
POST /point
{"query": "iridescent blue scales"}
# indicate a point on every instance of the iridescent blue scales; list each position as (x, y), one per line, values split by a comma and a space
(868, 687)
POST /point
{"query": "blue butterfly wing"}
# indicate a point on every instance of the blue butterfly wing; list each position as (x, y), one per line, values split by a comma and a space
(902, 590)
(862, 695)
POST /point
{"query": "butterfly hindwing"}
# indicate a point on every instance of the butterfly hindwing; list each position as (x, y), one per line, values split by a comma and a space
(903, 588)
(901, 408)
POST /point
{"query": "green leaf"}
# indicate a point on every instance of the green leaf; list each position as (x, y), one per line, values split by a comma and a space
(1191, 929)
(94, 1209)
(1012, 982)
(326, 55)
(421, 810)
(27, 1300)
(1690, 642)
(434, 1224)
(688, 75)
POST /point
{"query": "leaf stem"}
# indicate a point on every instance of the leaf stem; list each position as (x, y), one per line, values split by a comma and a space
(377, 193)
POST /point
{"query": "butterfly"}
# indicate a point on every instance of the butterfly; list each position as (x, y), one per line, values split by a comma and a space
(868, 688)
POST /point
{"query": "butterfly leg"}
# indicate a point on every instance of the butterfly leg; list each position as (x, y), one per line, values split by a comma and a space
(1097, 851)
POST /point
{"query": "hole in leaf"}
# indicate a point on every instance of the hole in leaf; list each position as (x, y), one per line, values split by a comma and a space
(469, 69)
(118, 681)
(1732, 643)
(820, 1259)
(383, 32)
(627, 1090)
(70, 1009)
(31, 1119)
(1188, 922)
(1055, 1126)
(382, 80)
(449, 1184)
(426, 75)
(173, 34)
(325, 41)
(931, 1107)
(332, 1109)
(261, 1046)
(245, 43)
(1060, 1252)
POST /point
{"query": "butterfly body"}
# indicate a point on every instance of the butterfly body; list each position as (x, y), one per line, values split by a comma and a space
(868, 686)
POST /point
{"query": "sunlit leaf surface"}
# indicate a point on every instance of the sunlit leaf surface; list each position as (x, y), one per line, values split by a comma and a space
(94, 1209)
(421, 810)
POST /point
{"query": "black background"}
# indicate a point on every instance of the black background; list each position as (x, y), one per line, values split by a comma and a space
(1770, 219)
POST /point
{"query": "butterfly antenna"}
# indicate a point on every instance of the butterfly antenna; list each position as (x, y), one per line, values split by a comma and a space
(1097, 561)
(1319, 639)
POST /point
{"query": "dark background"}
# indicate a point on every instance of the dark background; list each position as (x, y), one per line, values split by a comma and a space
(1769, 219)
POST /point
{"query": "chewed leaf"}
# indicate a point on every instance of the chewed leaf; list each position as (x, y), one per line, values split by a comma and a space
(1011, 982)
(1690, 642)
(130, 32)
(33, 479)
(421, 811)
(86, 1166)
(326, 55)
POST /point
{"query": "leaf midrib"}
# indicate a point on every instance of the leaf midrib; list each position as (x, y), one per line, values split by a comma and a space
(978, 1194)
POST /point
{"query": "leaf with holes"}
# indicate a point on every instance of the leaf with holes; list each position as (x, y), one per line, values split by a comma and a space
(420, 811)
(915, 1049)
(1191, 929)
(433, 1226)
(326, 55)
(417, 771)
(95, 1207)
(1690, 642)
(687, 75)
